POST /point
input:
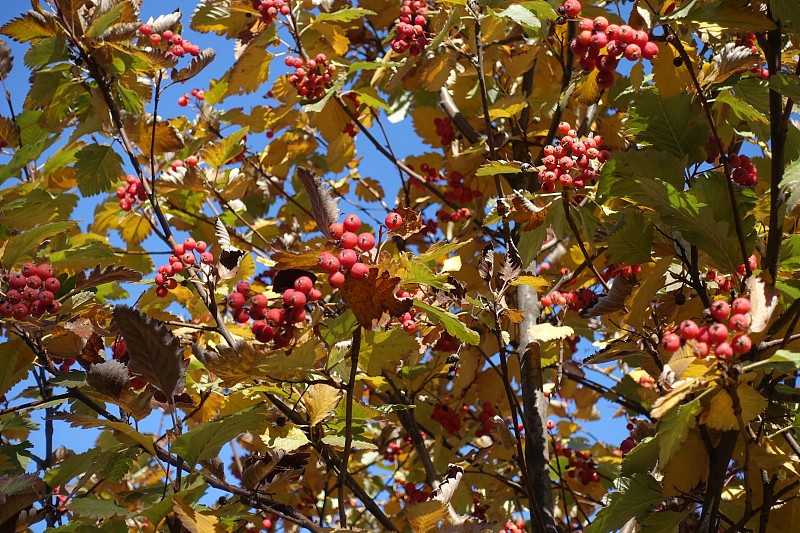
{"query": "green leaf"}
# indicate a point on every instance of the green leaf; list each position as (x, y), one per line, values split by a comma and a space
(344, 15)
(440, 249)
(740, 108)
(96, 508)
(97, 168)
(337, 441)
(529, 15)
(45, 52)
(642, 458)
(206, 441)
(339, 327)
(790, 184)
(675, 125)
(30, 26)
(25, 245)
(635, 496)
(790, 253)
(359, 66)
(498, 167)
(785, 84)
(728, 15)
(782, 359)
(675, 426)
(450, 322)
(385, 350)
(104, 21)
(632, 242)
(662, 521)
(71, 467)
(15, 360)
(787, 12)
(217, 17)
(370, 97)
(288, 438)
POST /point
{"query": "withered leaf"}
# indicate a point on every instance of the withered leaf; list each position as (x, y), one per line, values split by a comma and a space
(198, 63)
(229, 257)
(486, 263)
(6, 59)
(231, 364)
(412, 222)
(155, 353)
(373, 300)
(517, 208)
(613, 301)
(98, 276)
(109, 378)
(512, 265)
(323, 207)
(305, 259)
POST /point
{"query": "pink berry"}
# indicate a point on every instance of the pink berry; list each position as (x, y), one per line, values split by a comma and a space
(275, 316)
(572, 8)
(315, 294)
(293, 298)
(689, 329)
(740, 306)
(336, 230)
(352, 223)
(720, 310)
(723, 350)
(349, 240)
(336, 279)
(671, 342)
(206, 258)
(347, 258)
(409, 326)
(366, 241)
(740, 322)
(359, 271)
(189, 244)
(717, 333)
(700, 350)
(200, 247)
(742, 344)
(303, 284)
(188, 258)
(236, 300)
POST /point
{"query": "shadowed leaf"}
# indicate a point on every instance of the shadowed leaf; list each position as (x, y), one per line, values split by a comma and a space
(323, 206)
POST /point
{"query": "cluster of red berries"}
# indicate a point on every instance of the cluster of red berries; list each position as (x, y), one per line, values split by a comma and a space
(749, 40)
(428, 173)
(462, 214)
(571, 161)
(458, 191)
(716, 334)
(414, 495)
(445, 131)
(574, 300)
(130, 192)
(277, 323)
(391, 452)
(485, 417)
(119, 351)
(177, 46)
(31, 292)
(269, 9)
(181, 258)
(744, 172)
(311, 77)
(411, 28)
(183, 101)
(513, 527)
(597, 35)
(622, 270)
(580, 464)
(450, 419)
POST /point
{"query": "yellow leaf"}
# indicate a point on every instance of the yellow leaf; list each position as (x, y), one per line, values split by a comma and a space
(287, 438)
(320, 401)
(135, 228)
(644, 293)
(671, 80)
(751, 402)
(452, 264)
(334, 37)
(435, 71)
(687, 468)
(673, 398)
(340, 152)
(587, 92)
(720, 414)
(548, 332)
(193, 521)
(536, 282)
(250, 70)
(425, 516)
(612, 129)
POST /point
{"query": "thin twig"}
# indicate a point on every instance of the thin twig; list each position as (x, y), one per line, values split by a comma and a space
(348, 426)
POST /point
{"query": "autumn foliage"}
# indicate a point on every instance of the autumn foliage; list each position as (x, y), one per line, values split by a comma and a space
(583, 212)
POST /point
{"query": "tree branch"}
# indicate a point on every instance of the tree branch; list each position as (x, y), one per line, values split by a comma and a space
(355, 349)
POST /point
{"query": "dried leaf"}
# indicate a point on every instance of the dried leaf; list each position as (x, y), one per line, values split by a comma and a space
(229, 257)
(512, 265)
(109, 378)
(412, 222)
(232, 365)
(98, 276)
(517, 208)
(324, 208)
(447, 488)
(486, 263)
(6, 59)
(763, 301)
(613, 301)
(198, 63)
(373, 300)
(155, 354)
(730, 60)
(320, 401)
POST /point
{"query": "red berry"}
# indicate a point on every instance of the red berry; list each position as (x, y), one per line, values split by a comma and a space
(188, 258)
(720, 310)
(336, 230)
(366, 241)
(275, 316)
(700, 350)
(200, 247)
(29, 269)
(303, 284)
(16, 280)
(236, 300)
(315, 294)
(328, 262)
(52, 285)
(44, 271)
(359, 271)
(572, 8)
(740, 306)
(650, 50)
(296, 314)
(260, 301)
(189, 244)
(740, 322)
(689, 330)
(348, 258)
(393, 221)
(336, 279)
(241, 315)
(717, 333)
(145, 29)
(177, 250)
(409, 326)
(155, 39)
(741, 344)
(293, 298)
(550, 424)
(206, 258)
(183, 101)
(192, 160)
(20, 311)
(262, 331)
(723, 350)
(352, 223)
(243, 288)
(633, 52)
(671, 342)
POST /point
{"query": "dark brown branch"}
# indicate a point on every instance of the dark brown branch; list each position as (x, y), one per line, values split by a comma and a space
(355, 349)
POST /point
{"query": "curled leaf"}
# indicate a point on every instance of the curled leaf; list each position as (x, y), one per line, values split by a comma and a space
(373, 299)
(412, 222)
(323, 206)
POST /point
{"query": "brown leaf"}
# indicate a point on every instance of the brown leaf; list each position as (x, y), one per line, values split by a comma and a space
(519, 209)
(98, 276)
(155, 354)
(613, 301)
(307, 259)
(198, 63)
(486, 263)
(373, 300)
(109, 378)
(93, 351)
(6, 59)
(17, 494)
(412, 222)
(323, 206)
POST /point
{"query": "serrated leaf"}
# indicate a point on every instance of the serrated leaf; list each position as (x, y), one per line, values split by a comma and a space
(546, 331)
(155, 354)
(15, 360)
(109, 378)
(288, 438)
(632, 242)
(373, 300)
(424, 516)
(384, 350)
(675, 426)
(450, 322)
(98, 276)
(790, 184)
(612, 301)
(728, 15)
(194, 521)
(251, 69)
(197, 65)
(104, 21)
(30, 26)
(97, 168)
(71, 467)
(498, 167)
(207, 440)
(337, 441)
(634, 497)
(320, 401)
(344, 15)
(88, 421)
(674, 125)
(218, 154)
(24, 245)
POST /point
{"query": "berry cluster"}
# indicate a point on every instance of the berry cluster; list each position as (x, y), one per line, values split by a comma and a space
(269, 9)
(445, 131)
(277, 323)
(414, 495)
(458, 191)
(411, 28)
(574, 300)
(348, 260)
(130, 192)
(580, 465)
(744, 172)
(312, 77)
(182, 257)
(716, 335)
(462, 214)
(485, 417)
(597, 35)
(174, 44)
(391, 452)
(513, 527)
(571, 161)
(183, 101)
(622, 270)
(448, 418)
(31, 292)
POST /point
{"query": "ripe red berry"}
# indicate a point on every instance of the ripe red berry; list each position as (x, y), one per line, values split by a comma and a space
(44, 271)
(717, 333)
(45, 297)
(200, 247)
(741, 344)
(720, 310)
(262, 331)
(315, 294)
(183, 101)
(650, 50)
(241, 315)
(155, 39)
(236, 300)
(740, 306)
(296, 314)
(275, 316)
(671, 342)
(336, 230)
(347, 258)
(572, 8)
(20, 311)
(293, 298)
(192, 160)
(243, 288)
(409, 326)
(359, 271)
(723, 351)
(700, 350)
(34, 282)
(352, 223)
(550, 424)
(29, 269)
(393, 221)
(336, 279)
(689, 329)
(605, 79)
(349, 240)
(633, 52)
(16, 280)
(52, 285)
(740, 322)
(145, 29)
(189, 244)
(188, 258)
(366, 241)
(328, 262)
(206, 258)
